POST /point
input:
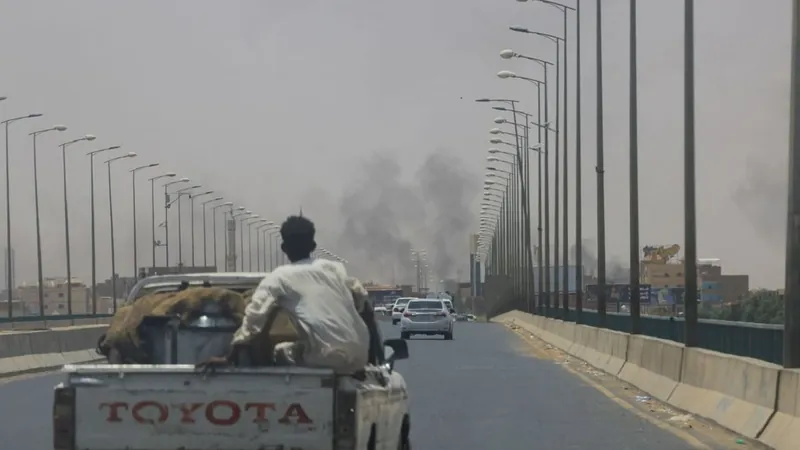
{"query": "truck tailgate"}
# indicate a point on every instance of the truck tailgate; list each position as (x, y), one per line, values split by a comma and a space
(173, 407)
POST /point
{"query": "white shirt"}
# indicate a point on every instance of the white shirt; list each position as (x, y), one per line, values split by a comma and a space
(317, 293)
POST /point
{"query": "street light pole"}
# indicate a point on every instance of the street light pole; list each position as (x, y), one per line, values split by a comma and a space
(600, 169)
(40, 274)
(205, 236)
(167, 204)
(180, 193)
(191, 207)
(153, 242)
(64, 146)
(214, 230)
(690, 208)
(241, 214)
(791, 328)
(259, 228)
(250, 221)
(633, 120)
(92, 213)
(578, 173)
(133, 193)
(273, 250)
(111, 222)
(9, 250)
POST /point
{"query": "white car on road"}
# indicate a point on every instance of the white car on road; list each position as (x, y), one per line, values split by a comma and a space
(398, 308)
(428, 316)
(449, 305)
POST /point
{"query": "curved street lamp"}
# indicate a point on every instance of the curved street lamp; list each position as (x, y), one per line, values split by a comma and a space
(153, 242)
(205, 235)
(167, 204)
(214, 230)
(133, 193)
(40, 275)
(88, 138)
(111, 222)
(178, 194)
(191, 213)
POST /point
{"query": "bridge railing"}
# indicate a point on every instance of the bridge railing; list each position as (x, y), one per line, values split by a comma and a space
(752, 340)
(34, 322)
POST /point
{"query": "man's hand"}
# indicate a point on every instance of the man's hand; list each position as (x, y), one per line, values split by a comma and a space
(215, 362)
(212, 364)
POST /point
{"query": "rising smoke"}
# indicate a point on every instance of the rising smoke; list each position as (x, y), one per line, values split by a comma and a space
(616, 272)
(448, 190)
(385, 217)
(762, 198)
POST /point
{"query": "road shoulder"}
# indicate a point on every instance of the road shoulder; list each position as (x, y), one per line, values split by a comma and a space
(697, 433)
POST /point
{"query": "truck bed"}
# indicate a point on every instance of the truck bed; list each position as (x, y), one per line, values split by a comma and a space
(172, 407)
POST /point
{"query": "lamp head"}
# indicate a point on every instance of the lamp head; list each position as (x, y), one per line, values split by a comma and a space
(507, 54)
(506, 74)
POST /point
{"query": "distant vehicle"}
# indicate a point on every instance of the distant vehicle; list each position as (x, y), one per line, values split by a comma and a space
(427, 316)
(449, 305)
(440, 295)
(380, 310)
(398, 308)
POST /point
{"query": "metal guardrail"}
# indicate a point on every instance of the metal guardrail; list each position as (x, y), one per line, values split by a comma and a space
(25, 322)
(751, 340)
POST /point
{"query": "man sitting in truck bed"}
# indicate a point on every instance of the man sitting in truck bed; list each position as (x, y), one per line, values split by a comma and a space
(317, 294)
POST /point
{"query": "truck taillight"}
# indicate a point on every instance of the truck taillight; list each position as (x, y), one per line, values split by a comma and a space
(64, 418)
(345, 420)
(441, 314)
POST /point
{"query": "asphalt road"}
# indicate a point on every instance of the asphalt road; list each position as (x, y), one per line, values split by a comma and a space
(484, 391)
(480, 391)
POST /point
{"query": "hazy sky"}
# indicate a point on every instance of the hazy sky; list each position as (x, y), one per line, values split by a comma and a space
(278, 104)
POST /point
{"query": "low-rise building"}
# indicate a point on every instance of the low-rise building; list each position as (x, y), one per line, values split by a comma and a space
(54, 298)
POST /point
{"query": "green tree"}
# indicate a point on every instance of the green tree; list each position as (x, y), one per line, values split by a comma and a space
(761, 306)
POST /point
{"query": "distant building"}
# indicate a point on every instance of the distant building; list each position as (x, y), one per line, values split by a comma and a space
(54, 299)
(717, 287)
(667, 278)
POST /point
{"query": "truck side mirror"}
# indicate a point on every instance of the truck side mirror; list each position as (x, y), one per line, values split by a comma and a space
(399, 350)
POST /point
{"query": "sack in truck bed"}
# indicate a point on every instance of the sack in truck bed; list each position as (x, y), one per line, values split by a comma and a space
(122, 334)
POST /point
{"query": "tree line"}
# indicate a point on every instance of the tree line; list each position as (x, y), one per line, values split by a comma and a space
(760, 306)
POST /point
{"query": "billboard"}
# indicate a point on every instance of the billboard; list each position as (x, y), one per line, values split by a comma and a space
(619, 293)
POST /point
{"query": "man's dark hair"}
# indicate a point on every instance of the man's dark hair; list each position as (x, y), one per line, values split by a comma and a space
(297, 233)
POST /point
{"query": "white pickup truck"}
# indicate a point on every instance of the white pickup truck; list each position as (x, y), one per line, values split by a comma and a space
(168, 405)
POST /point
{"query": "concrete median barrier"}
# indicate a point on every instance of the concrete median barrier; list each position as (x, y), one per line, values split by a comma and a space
(783, 430)
(603, 349)
(42, 350)
(751, 397)
(738, 393)
(653, 365)
(560, 333)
